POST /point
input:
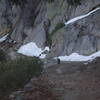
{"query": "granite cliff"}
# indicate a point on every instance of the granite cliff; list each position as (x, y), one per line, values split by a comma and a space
(43, 21)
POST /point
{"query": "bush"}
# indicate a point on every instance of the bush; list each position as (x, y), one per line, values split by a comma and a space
(74, 2)
(50, 1)
(57, 27)
(2, 55)
(15, 74)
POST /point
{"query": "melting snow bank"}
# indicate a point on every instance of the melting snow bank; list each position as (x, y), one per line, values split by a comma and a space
(3, 38)
(77, 58)
(31, 49)
(81, 17)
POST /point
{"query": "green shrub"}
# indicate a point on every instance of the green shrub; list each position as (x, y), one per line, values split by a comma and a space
(74, 2)
(15, 74)
(2, 55)
(57, 27)
(50, 1)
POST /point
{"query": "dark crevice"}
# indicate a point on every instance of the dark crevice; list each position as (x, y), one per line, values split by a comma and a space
(95, 7)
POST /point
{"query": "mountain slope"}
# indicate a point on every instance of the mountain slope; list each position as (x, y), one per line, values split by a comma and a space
(43, 23)
(65, 81)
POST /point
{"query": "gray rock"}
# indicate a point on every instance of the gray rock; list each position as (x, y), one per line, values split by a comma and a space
(27, 25)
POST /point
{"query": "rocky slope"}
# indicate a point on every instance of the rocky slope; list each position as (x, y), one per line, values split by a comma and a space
(65, 81)
(42, 22)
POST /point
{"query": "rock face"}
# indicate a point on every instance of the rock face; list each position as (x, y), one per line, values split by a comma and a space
(5, 16)
(41, 22)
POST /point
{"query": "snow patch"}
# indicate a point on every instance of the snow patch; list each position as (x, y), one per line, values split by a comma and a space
(47, 49)
(81, 17)
(3, 38)
(31, 49)
(77, 58)
(42, 56)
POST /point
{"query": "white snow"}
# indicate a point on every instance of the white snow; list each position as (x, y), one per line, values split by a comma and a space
(3, 38)
(31, 49)
(47, 49)
(81, 17)
(42, 56)
(76, 57)
(95, 55)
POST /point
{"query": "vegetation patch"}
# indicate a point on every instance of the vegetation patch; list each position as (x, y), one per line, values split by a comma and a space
(50, 35)
(57, 27)
(74, 2)
(18, 2)
(2, 55)
(15, 74)
(50, 1)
